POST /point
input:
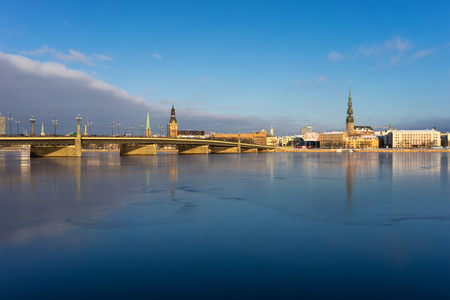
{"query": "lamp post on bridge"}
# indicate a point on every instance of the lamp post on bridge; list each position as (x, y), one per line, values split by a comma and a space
(78, 126)
(54, 122)
(161, 130)
(78, 147)
(10, 119)
(118, 127)
(112, 129)
(132, 127)
(142, 126)
(89, 125)
(17, 122)
(32, 120)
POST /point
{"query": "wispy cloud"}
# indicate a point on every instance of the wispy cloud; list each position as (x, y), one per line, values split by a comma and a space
(72, 56)
(102, 57)
(320, 79)
(393, 46)
(335, 56)
(421, 54)
(203, 79)
(317, 80)
(390, 52)
(231, 107)
(157, 56)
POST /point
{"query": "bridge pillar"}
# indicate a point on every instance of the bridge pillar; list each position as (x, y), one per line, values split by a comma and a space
(249, 150)
(192, 149)
(138, 149)
(266, 150)
(225, 150)
(55, 151)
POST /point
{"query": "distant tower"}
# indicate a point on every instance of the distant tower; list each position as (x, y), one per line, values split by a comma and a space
(42, 130)
(172, 127)
(32, 120)
(148, 131)
(271, 130)
(85, 129)
(350, 122)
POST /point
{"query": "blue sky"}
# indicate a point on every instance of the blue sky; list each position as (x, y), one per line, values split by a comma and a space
(227, 66)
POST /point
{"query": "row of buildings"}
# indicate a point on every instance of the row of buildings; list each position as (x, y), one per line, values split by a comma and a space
(352, 137)
(365, 137)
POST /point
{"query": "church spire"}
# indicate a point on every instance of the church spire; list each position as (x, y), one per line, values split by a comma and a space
(172, 115)
(350, 122)
(350, 91)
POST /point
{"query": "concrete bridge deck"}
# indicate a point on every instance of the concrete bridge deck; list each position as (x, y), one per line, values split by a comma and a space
(66, 145)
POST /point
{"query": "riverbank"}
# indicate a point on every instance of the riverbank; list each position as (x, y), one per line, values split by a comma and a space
(297, 150)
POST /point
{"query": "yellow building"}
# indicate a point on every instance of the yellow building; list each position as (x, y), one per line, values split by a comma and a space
(332, 139)
(258, 138)
(271, 139)
(362, 141)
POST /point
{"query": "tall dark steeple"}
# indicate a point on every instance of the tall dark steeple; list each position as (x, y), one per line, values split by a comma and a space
(172, 115)
(172, 127)
(350, 122)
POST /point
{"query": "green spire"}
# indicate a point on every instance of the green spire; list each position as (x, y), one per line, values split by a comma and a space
(147, 127)
(42, 130)
(350, 118)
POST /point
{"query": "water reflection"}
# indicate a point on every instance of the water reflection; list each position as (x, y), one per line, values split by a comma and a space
(303, 186)
(242, 221)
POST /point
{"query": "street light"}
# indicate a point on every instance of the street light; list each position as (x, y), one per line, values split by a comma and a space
(161, 130)
(118, 127)
(32, 120)
(142, 126)
(17, 122)
(89, 125)
(54, 122)
(10, 119)
(112, 129)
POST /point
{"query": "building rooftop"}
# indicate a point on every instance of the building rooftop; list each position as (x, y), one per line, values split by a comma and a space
(417, 131)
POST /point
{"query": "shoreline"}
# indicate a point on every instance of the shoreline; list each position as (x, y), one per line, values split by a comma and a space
(293, 150)
(290, 150)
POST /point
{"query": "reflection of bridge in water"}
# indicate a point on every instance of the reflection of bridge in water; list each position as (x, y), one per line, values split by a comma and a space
(72, 146)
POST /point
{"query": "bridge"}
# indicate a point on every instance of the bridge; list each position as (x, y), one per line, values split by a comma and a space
(71, 146)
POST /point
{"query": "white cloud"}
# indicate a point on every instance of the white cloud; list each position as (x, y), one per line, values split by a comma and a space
(39, 86)
(395, 45)
(102, 57)
(421, 54)
(31, 87)
(335, 56)
(393, 49)
(388, 52)
(203, 79)
(157, 56)
(72, 56)
(320, 79)
(298, 82)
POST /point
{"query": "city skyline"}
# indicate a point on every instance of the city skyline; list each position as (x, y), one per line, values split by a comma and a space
(231, 67)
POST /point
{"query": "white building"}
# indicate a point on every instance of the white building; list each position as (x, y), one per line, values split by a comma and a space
(306, 129)
(413, 139)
